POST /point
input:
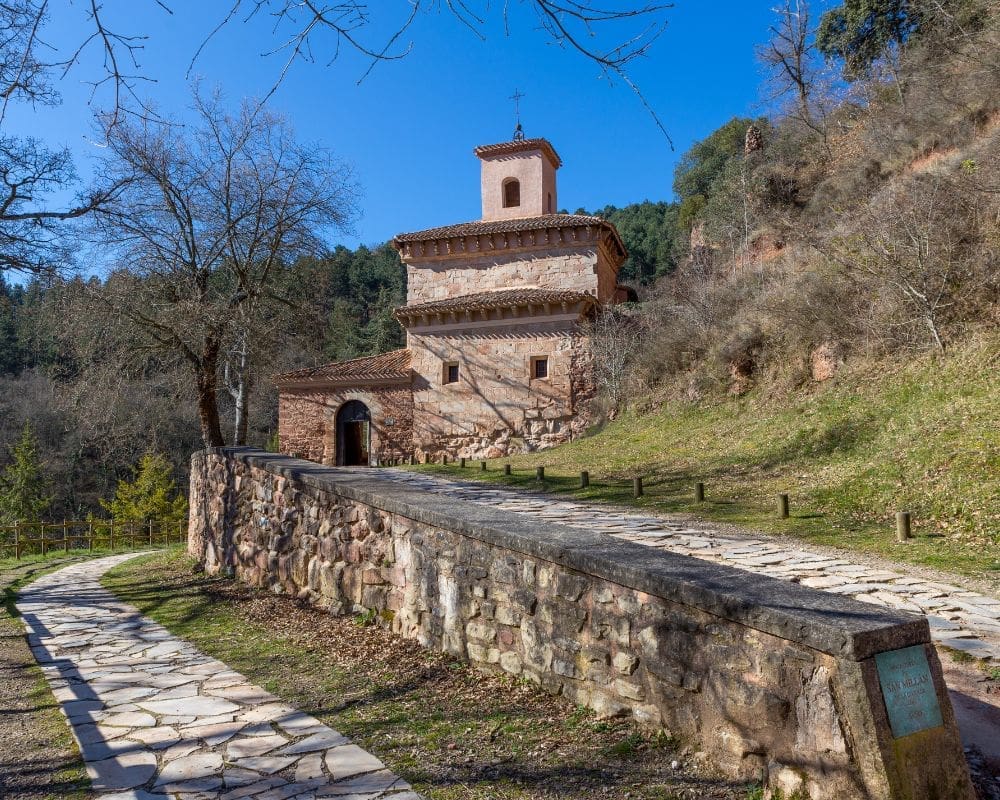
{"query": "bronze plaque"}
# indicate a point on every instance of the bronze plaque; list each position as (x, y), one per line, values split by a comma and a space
(908, 690)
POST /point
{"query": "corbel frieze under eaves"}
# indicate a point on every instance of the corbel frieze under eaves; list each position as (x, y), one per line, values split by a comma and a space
(492, 243)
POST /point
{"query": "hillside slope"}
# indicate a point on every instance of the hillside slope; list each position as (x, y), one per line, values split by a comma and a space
(923, 436)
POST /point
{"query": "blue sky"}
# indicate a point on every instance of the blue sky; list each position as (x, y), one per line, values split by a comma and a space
(409, 128)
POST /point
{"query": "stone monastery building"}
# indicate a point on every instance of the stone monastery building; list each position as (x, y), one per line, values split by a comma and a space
(496, 360)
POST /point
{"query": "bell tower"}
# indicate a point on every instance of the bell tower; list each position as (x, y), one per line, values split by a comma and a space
(518, 178)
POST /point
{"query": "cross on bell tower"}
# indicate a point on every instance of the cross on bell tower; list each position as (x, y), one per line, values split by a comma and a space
(518, 132)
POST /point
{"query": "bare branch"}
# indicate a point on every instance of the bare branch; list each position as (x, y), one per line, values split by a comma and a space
(311, 26)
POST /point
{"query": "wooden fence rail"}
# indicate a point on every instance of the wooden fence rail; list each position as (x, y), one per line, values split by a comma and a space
(41, 538)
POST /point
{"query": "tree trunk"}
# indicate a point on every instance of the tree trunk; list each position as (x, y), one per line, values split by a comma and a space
(208, 404)
(237, 379)
(240, 431)
(939, 343)
(241, 400)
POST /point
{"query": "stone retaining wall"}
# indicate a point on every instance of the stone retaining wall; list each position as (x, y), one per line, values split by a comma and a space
(773, 680)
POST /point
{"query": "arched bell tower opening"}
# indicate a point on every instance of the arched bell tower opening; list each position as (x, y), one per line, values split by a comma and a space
(354, 435)
(511, 193)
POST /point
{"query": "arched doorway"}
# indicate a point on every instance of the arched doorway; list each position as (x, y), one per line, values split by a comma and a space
(354, 433)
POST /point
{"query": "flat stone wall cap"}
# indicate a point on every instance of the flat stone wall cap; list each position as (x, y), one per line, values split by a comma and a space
(831, 623)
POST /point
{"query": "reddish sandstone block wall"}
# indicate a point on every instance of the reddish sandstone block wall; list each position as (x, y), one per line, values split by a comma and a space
(582, 268)
(307, 422)
(497, 407)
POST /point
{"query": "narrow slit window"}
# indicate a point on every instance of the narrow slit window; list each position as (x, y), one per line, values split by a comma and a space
(540, 367)
(511, 193)
(451, 372)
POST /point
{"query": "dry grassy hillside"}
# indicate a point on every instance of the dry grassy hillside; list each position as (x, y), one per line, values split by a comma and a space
(861, 222)
(832, 329)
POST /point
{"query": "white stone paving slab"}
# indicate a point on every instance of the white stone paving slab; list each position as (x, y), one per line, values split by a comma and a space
(974, 612)
(156, 719)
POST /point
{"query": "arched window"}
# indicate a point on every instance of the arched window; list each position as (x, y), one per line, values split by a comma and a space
(511, 193)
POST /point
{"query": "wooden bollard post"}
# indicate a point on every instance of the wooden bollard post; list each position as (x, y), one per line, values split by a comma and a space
(444, 460)
(413, 459)
(482, 466)
(637, 486)
(90, 534)
(506, 469)
(151, 533)
(45, 544)
(540, 473)
(65, 537)
(584, 479)
(111, 534)
(17, 540)
(902, 526)
(461, 463)
(699, 492)
(783, 506)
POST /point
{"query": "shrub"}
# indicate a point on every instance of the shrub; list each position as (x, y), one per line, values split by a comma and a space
(24, 495)
(152, 496)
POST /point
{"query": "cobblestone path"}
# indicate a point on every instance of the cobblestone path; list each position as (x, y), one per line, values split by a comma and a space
(959, 619)
(156, 719)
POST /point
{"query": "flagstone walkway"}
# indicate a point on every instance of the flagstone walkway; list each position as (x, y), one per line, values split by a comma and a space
(156, 719)
(959, 619)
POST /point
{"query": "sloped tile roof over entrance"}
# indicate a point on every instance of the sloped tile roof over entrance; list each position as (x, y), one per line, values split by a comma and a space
(389, 367)
(501, 298)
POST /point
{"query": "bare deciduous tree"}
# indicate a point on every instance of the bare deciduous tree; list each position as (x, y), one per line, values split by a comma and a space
(915, 242)
(209, 218)
(616, 336)
(794, 67)
(30, 234)
(30, 172)
(30, 228)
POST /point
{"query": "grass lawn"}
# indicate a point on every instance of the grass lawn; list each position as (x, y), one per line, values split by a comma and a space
(450, 730)
(924, 437)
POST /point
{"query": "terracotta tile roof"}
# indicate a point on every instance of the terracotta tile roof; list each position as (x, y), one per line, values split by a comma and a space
(508, 148)
(390, 366)
(506, 226)
(501, 298)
